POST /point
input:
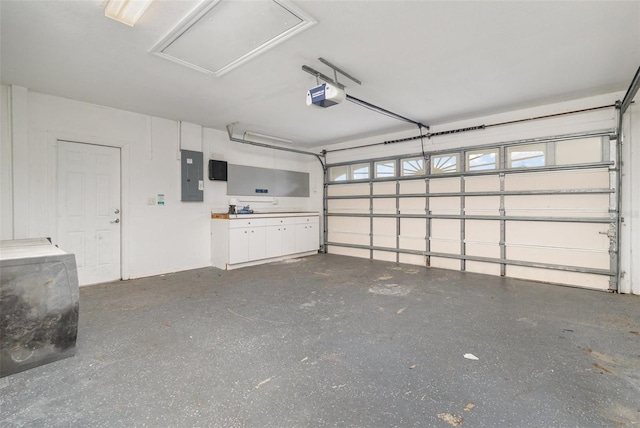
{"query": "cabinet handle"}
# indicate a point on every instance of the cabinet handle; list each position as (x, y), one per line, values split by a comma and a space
(245, 231)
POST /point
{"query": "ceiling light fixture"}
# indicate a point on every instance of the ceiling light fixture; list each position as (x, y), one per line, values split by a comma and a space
(267, 137)
(126, 11)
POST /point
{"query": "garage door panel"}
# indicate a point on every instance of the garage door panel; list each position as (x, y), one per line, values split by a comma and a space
(600, 282)
(352, 206)
(445, 205)
(482, 230)
(583, 150)
(346, 230)
(444, 185)
(412, 205)
(580, 179)
(385, 188)
(413, 186)
(386, 256)
(558, 205)
(412, 259)
(482, 205)
(413, 227)
(412, 243)
(384, 232)
(441, 262)
(489, 183)
(481, 267)
(445, 229)
(444, 246)
(482, 249)
(560, 234)
(384, 206)
(348, 238)
(560, 256)
(346, 251)
(388, 241)
(348, 189)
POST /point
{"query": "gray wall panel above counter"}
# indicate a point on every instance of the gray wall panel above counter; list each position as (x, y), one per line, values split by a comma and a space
(250, 181)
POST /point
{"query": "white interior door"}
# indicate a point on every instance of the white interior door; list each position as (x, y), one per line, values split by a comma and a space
(89, 209)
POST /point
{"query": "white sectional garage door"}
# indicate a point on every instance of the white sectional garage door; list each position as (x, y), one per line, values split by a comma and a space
(543, 210)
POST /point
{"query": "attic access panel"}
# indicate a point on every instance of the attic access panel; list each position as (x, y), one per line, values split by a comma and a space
(220, 35)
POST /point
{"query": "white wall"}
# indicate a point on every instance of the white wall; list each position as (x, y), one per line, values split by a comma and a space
(156, 239)
(630, 227)
(6, 170)
(583, 122)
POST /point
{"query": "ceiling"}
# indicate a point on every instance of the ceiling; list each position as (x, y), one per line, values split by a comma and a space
(430, 61)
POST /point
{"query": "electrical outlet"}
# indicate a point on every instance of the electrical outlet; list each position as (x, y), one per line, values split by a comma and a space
(151, 201)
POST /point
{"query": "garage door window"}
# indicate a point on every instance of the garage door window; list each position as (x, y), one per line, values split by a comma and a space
(338, 173)
(386, 169)
(528, 156)
(443, 164)
(360, 171)
(480, 160)
(412, 166)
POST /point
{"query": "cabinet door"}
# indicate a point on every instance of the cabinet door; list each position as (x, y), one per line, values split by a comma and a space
(288, 239)
(257, 243)
(238, 245)
(301, 238)
(307, 238)
(313, 237)
(273, 241)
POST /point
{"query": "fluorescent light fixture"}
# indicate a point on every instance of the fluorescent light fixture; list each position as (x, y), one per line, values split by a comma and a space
(126, 11)
(267, 137)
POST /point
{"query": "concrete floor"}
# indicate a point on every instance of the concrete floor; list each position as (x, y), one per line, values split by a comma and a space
(336, 341)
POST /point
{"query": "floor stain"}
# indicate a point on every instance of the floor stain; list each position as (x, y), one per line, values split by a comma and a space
(602, 357)
(323, 273)
(307, 305)
(330, 357)
(622, 415)
(390, 290)
(451, 419)
(603, 368)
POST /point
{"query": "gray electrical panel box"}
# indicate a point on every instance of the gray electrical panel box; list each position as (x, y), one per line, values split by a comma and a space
(192, 176)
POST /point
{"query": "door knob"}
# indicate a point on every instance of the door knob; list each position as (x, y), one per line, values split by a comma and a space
(115, 221)
(116, 211)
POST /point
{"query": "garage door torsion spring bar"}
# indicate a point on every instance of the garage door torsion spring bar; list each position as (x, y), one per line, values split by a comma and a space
(474, 128)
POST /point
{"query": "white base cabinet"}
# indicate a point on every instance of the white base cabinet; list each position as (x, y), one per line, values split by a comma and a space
(247, 240)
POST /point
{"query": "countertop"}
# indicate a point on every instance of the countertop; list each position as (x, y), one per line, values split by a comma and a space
(226, 216)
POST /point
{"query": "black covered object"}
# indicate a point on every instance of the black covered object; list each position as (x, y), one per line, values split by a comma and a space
(217, 170)
(39, 303)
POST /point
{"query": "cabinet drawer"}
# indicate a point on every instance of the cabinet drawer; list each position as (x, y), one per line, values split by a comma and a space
(307, 220)
(280, 221)
(246, 222)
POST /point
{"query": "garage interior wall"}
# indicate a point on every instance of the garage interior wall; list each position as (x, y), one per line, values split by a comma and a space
(156, 239)
(174, 237)
(598, 120)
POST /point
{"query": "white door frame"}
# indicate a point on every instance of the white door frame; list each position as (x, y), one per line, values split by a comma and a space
(52, 203)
